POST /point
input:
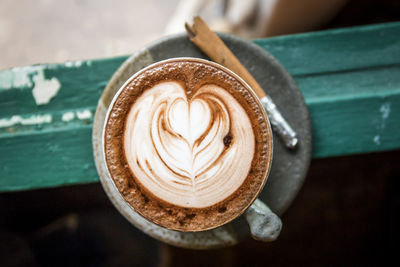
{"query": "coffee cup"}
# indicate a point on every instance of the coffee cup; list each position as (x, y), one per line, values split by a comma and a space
(187, 146)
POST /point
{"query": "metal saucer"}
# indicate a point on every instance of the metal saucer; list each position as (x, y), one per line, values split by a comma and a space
(289, 167)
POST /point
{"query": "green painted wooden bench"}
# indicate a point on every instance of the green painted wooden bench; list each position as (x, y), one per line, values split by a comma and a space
(350, 79)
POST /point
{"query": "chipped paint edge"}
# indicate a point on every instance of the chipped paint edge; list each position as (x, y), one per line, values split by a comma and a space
(30, 120)
(39, 119)
(45, 89)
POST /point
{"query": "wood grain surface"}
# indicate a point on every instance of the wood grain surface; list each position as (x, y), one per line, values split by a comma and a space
(350, 79)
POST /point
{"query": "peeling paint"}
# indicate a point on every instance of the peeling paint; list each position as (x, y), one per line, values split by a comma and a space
(44, 89)
(84, 115)
(73, 64)
(72, 117)
(377, 139)
(23, 77)
(17, 78)
(385, 112)
(68, 116)
(81, 115)
(32, 120)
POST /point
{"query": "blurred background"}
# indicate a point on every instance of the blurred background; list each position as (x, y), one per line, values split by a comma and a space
(345, 214)
(47, 31)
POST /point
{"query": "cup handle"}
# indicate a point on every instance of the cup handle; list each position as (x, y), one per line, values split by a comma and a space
(264, 224)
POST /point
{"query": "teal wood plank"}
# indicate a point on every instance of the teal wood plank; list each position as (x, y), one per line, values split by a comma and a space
(336, 50)
(51, 158)
(350, 79)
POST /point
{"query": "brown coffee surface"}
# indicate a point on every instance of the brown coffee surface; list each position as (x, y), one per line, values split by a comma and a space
(187, 144)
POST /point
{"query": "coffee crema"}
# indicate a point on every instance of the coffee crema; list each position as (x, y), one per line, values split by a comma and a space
(187, 144)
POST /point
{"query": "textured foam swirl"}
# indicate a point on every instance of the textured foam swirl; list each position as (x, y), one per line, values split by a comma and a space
(191, 152)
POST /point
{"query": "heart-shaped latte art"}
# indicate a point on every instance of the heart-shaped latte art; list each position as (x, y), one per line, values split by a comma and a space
(189, 152)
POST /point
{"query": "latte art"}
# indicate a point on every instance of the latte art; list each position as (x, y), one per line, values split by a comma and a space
(189, 151)
(187, 144)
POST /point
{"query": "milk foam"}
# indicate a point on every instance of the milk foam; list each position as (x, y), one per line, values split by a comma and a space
(175, 146)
